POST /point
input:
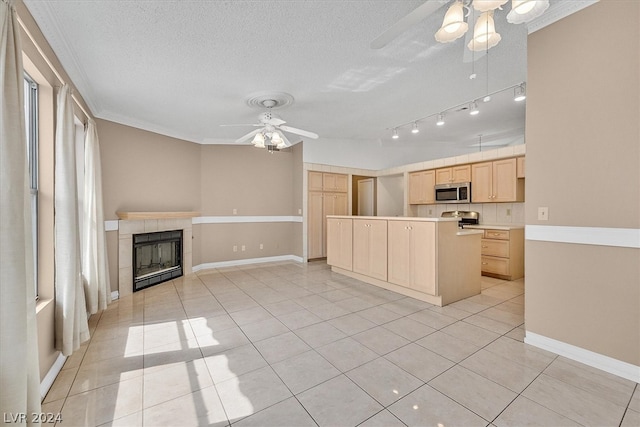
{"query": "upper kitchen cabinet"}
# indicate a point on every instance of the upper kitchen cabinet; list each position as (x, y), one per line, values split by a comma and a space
(453, 175)
(421, 187)
(520, 167)
(497, 181)
(335, 182)
(324, 181)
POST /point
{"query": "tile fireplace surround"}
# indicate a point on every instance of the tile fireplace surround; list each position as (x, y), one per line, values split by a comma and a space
(149, 222)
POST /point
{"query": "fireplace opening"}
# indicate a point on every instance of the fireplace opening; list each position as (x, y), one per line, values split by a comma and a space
(157, 257)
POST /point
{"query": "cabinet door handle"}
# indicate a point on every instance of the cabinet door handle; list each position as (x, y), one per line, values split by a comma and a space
(484, 263)
(485, 247)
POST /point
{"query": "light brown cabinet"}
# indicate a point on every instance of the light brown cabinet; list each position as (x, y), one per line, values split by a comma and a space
(454, 174)
(421, 189)
(327, 196)
(520, 167)
(411, 255)
(339, 242)
(502, 253)
(370, 248)
(496, 182)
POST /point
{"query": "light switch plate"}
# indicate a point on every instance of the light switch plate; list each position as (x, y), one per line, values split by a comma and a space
(543, 214)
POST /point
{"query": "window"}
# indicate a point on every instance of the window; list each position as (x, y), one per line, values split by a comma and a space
(31, 120)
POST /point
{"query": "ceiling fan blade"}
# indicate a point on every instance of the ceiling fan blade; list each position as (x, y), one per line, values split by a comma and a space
(248, 136)
(244, 124)
(406, 22)
(299, 132)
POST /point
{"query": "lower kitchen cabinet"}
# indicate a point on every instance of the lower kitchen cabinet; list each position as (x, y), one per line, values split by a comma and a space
(370, 248)
(412, 255)
(503, 253)
(340, 242)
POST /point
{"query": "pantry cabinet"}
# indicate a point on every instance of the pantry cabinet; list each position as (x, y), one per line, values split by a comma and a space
(370, 248)
(411, 255)
(453, 175)
(339, 242)
(421, 189)
(327, 195)
(497, 181)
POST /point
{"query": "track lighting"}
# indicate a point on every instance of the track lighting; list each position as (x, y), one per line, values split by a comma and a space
(415, 128)
(526, 10)
(440, 121)
(519, 93)
(473, 108)
(395, 134)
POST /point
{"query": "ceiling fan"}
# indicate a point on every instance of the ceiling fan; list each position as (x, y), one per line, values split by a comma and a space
(270, 130)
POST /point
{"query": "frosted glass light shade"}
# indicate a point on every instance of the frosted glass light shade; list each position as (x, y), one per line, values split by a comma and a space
(453, 26)
(526, 10)
(276, 139)
(487, 5)
(258, 140)
(484, 33)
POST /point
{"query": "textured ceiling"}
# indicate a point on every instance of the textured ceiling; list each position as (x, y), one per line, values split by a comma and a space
(183, 68)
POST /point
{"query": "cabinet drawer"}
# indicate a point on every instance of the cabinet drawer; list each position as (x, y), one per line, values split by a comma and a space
(496, 234)
(495, 265)
(499, 248)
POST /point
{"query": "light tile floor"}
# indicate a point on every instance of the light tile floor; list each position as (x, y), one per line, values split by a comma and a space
(290, 344)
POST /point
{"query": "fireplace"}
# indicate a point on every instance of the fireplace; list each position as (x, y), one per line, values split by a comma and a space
(157, 257)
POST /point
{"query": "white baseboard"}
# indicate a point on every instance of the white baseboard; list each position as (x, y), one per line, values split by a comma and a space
(248, 261)
(588, 357)
(48, 379)
(115, 295)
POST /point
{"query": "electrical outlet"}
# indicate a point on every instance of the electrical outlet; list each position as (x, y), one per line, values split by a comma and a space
(508, 212)
(299, 211)
(261, 246)
(243, 248)
(543, 214)
(235, 211)
(430, 212)
(235, 248)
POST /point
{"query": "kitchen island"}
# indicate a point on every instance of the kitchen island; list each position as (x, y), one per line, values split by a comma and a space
(429, 259)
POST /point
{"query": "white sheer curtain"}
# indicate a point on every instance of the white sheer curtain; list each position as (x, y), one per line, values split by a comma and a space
(72, 328)
(95, 267)
(19, 372)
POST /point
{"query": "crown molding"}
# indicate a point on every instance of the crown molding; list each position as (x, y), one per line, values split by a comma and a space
(556, 12)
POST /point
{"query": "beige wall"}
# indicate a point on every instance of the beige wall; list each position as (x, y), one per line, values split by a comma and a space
(145, 171)
(583, 163)
(297, 199)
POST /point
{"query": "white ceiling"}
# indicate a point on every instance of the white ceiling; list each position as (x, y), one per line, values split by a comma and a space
(183, 68)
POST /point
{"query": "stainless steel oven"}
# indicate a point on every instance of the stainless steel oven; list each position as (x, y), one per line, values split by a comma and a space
(453, 193)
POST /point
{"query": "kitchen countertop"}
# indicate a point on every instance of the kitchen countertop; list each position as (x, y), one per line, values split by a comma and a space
(395, 218)
(494, 226)
(469, 232)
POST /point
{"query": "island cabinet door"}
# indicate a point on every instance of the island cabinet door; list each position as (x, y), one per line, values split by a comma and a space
(340, 243)
(399, 259)
(423, 257)
(370, 248)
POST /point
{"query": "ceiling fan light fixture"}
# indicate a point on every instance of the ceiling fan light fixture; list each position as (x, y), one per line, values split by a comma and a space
(276, 138)
(487, 5)
(258, 140)
(473, 109)
(453, 26)
(415, 128)
(395, 134)
(484, 33)
(526, 10)
(440, 121)
(519, 93)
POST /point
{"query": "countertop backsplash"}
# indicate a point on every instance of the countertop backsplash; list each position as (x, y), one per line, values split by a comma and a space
(490, 213)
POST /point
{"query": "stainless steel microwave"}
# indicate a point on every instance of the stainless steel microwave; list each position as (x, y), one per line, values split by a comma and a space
(453, 193)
